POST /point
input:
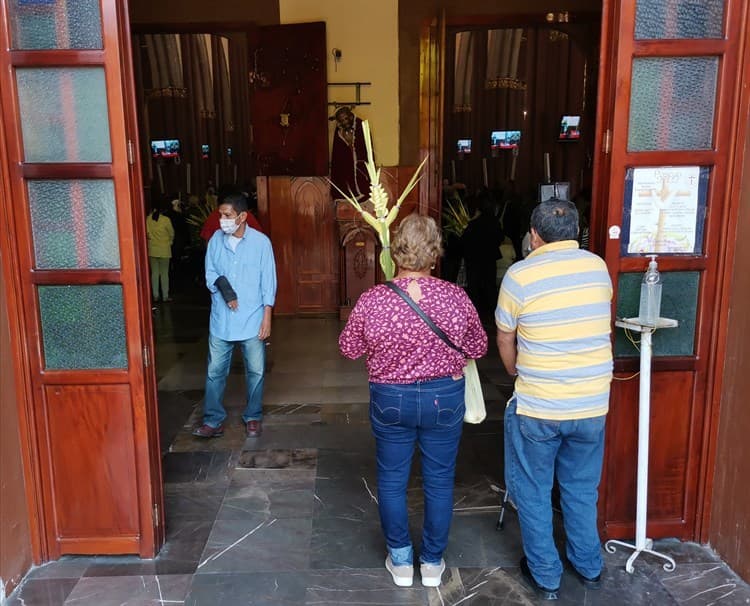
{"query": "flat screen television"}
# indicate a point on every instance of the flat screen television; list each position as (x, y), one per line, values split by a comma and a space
(165, 148)
(205, 149)
(464, 146)
(570, 128)
(505, 139)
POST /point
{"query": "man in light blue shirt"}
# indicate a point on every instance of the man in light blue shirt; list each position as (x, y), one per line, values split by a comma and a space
(241, 275)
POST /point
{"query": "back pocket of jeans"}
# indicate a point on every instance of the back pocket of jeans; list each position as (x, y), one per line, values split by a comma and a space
(386, 409)
(538, 430)
(450, 406)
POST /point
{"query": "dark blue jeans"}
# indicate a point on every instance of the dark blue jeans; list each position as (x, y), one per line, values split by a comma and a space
(536, 450)
(429, 414)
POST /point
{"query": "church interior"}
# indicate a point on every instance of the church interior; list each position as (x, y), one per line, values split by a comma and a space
(268, 99)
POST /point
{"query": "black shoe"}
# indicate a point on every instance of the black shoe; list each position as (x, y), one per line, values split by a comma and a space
(594, 583)
(543, 592)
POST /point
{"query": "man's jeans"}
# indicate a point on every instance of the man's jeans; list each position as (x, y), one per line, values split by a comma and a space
(430, 414)
(219, 360)
(536, 450)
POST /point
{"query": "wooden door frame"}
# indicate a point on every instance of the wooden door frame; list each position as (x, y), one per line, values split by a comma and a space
(739, 131)
(28, 436)
(138, 217)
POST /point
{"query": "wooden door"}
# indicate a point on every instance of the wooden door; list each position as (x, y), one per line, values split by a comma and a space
(76, 231)
(289, 98)
(667, 91)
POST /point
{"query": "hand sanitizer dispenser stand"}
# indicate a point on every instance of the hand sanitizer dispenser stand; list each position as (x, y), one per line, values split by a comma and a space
(642, 543)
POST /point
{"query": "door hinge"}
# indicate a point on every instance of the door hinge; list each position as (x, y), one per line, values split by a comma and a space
(607, 141)
(146, 356)
(131, 153)
(157, 518)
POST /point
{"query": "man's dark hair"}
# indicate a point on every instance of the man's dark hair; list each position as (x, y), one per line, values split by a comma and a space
(555, 220)
(237, 201)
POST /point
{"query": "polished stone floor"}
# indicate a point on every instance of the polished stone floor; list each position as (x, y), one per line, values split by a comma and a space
(290, 518)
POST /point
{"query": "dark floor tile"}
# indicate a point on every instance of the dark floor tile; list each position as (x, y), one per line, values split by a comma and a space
(42, 592)
(174, 410)
(341, 543)
(474, 586)
(705, 583)
(352, 497)
(67, 567)
(474, 542)
(366, 587)
(181, 554)
(295, 458)
(130, 591)
(618, 588)
(188, 501)
(346, 485)
(197, 466)
(258, 589)
(257, 544)
(320, 435)
(284, 493)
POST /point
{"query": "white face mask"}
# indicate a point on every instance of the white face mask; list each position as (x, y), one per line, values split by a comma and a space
(228, 226)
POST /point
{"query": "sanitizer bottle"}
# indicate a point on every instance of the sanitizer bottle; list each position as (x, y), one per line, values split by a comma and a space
(650, 306)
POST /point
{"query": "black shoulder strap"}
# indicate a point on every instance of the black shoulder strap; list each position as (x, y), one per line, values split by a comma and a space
(424, 316)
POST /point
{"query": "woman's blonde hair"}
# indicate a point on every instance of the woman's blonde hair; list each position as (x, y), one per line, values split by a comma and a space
(417, 243)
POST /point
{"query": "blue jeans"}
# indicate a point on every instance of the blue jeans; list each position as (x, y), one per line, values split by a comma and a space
(536, 450)
(430, 414)
(219, 360)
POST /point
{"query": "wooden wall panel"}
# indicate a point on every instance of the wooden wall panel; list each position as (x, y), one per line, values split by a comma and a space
(281, 219)
(669, 456)
(94, 488)
(728, 504)
(302, 224)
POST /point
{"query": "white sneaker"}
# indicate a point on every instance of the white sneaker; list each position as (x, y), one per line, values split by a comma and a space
(403, 576)
(432, 573)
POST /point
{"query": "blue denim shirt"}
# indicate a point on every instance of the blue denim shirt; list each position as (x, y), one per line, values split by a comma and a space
(251, 271)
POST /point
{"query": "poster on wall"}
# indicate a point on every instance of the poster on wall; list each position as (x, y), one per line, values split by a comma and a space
(664, 210)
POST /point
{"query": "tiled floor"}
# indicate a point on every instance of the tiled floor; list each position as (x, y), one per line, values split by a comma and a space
(291, 518)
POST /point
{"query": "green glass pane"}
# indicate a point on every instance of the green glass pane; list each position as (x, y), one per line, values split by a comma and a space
(74, 224)
(659, 19)
(83, 327)
(672, 103)
(64, 114)
(52, 24)
(679, 301)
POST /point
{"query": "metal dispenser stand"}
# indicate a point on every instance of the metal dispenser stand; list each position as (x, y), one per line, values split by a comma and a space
(642, 543)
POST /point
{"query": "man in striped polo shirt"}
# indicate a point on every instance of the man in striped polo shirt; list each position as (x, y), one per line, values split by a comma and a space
(553, 318)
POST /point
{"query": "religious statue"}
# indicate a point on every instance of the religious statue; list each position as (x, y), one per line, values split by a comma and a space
(348, 156)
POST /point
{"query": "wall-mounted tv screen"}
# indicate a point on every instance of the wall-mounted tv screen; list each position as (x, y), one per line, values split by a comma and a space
(570, 128)
(165, 148)
(464, 146)
(204, 151)
(505, 139)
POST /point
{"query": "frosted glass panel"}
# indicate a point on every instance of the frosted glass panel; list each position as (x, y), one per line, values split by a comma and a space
(672, 103)
(83, 327)
(74, 224)
(64, 114)
(51, 24)
(657, 19)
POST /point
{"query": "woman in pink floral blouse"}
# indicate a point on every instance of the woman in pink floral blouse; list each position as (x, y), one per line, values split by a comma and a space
(416, 392)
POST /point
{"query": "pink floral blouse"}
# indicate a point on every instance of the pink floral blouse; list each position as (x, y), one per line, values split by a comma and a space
(400, 347)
